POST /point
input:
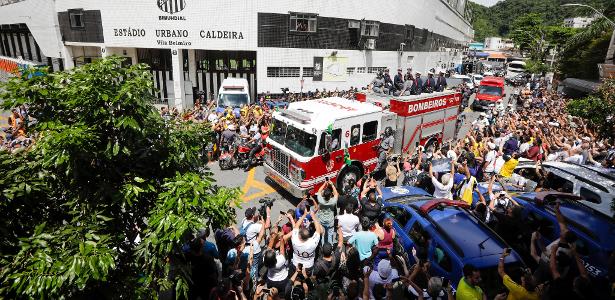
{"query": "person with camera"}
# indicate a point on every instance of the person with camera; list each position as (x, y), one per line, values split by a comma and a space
(327, 197)
(371, 200)
(276, 263)
(304, 245)
(326, 268)
(524, 291)
(443, 189)
(253, 229)
(299, 288)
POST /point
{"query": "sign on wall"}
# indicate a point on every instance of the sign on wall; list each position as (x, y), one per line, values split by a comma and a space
(317, 69)
(334, 68)
(180, 23)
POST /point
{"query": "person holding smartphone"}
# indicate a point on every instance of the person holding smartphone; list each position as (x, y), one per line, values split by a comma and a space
(526, 290)
(327, 197)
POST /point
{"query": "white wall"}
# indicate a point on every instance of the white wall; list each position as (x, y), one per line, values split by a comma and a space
(282, 57)
(41, 18)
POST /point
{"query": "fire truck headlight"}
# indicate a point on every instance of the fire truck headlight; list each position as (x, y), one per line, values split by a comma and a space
(298, 174)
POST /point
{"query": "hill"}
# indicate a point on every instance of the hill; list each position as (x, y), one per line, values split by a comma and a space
(496, 20)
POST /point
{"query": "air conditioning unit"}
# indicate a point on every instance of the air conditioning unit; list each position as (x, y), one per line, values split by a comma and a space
(354, 24)
(370, 44)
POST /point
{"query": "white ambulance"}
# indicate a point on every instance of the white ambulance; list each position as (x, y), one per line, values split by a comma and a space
(309, 139)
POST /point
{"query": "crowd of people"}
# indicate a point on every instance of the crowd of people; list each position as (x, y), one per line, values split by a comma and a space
(16, 133)
(338, 244)
(408, 84)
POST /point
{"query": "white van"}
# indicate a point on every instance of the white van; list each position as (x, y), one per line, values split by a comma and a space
(465, 79)
(594, 184)
(234, 92)
(515, 68)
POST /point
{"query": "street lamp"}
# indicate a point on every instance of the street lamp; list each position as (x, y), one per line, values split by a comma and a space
(595, 10)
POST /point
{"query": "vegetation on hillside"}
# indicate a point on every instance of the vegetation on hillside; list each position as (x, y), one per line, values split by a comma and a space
(497, 20)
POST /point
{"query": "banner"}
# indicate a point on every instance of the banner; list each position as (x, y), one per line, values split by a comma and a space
(317, 69)
(334, 68)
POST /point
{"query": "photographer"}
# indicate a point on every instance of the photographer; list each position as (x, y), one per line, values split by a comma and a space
(304, 245)
(299, 288)
(277, 264)
(371, 199)
(327, 199)
(392, 172)
(326, 268)
(253, 229)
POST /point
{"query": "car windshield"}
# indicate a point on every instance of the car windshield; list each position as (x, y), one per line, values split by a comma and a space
(294, 139)
(490, 90)
(232, 100)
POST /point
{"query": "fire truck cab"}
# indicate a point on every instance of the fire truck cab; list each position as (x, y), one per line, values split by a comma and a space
(310, 139)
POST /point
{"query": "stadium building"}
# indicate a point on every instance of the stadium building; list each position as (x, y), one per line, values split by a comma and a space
(193, 45)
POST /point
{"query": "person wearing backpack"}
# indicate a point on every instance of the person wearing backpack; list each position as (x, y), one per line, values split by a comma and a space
(252, 229)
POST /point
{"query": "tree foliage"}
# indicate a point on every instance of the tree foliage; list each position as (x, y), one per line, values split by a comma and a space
(599, 109)
(502, 15)
(105, 173)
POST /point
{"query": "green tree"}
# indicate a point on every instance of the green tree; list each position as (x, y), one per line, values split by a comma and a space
(529, 35)
(598, 109)
(105, 171)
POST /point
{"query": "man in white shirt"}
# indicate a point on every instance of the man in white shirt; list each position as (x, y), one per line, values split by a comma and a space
(490, 160)
(253, 229)
(348, 222)
(443, 189)
(304, 246)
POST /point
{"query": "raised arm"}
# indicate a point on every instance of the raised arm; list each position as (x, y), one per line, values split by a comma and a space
(300, 221)
(553, 262)
(317, 224)
(335, 193)
(560, 220)
(261, 233)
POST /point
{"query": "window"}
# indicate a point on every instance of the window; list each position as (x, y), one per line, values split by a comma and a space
(559, 184)
(375, 70)
(409, 32)
(308, 72)
(370, 131)
(355, 134)
(399, 214)
(360, 70)
(442, 259)
(233, 64)
(370, 28)
(420, 238)
(590, 195)
(76, 19)
(350, 71)
(283, 71)
(335, 141)
(302, 22)
(220, 65)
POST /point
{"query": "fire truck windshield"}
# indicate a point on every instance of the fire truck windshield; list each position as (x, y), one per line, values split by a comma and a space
(294, 139)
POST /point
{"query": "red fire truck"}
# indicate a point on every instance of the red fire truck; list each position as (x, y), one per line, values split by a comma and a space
(309, 139)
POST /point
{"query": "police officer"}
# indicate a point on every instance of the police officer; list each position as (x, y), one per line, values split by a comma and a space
(388, 82)
(417, 86)
(430, 84)
(387, 142)
(441, 82)
(399, 81)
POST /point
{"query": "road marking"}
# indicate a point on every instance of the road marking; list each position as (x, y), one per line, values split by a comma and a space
(251, 183)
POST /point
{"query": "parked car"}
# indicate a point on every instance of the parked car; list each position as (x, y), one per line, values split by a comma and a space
(465, 79)
(595, 185)
(450, 236)
(595, 231)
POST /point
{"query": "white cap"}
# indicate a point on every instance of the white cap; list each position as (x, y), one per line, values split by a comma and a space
(483, 114)
(384, 269)
(491, 145)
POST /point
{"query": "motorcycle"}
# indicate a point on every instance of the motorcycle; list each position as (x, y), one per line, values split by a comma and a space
(238, 155)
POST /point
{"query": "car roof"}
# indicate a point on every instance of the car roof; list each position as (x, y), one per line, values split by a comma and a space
(595, 175)
(596, 225)
(404, 194)
(464, 230)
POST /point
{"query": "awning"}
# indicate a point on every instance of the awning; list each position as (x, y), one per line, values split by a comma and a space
(497, 55)
(581, 85)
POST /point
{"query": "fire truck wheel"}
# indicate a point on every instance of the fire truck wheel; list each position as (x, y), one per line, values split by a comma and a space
(345, 175)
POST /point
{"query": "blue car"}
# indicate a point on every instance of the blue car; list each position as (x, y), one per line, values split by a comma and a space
(450, 236)
(595, 232)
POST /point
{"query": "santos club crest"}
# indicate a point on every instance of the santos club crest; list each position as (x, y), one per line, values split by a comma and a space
(172, 6)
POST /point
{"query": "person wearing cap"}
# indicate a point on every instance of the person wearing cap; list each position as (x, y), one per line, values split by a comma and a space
(480, 123)
(441, 82)
(378, 84)
(384, 274)
(388, 82)
(417, 85)
(408, 82)
(489, 163)
(256, 144)
(430, 84)
(229, 136)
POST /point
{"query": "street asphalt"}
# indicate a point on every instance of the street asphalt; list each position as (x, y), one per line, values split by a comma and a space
(255, 186)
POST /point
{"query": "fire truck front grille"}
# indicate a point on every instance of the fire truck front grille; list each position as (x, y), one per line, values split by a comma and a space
(279, 162)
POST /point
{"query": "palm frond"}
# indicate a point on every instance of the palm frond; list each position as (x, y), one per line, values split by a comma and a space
(596, 29)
